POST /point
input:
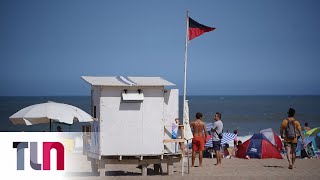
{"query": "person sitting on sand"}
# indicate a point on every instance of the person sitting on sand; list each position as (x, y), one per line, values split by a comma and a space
(237, 147)
(226, 153)
(199, 138)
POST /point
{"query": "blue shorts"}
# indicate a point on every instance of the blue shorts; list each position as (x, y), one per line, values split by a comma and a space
(216, 145)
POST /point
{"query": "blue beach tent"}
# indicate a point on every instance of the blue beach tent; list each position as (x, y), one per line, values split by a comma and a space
(258, 146)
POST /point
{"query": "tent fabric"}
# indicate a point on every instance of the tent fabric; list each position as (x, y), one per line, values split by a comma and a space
(226, 137)
(258, 146)
(272, 136)
(313, 132)
(309, 140)
(317, 141)
(208, 126)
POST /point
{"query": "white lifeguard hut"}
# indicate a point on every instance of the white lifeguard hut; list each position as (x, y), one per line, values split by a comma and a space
(134, 117)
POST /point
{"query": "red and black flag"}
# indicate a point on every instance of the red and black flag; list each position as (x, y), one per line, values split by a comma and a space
(196, 29)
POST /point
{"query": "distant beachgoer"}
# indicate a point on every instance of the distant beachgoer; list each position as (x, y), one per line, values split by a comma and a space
(216, 130)
(290, 136)
(226, 149)
(199, 138)
(237, 147)
(235, 141)
(306, 127)
(180, 129)
(228, 152)
(59, 129)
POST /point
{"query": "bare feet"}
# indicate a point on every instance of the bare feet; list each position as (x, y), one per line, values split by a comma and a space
(290, 166)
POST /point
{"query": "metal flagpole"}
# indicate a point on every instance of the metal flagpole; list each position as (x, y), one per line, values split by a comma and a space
(185, 82)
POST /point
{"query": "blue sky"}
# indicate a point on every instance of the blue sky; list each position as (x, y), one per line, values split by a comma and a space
(259, 47)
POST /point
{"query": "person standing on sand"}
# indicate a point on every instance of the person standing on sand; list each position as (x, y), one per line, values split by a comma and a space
(290, 143)
(59, 129)
(199, 138)
(217, 129)
(235, 141)
(179, 133)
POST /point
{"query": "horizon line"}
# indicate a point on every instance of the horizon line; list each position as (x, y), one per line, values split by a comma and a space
(179, 95)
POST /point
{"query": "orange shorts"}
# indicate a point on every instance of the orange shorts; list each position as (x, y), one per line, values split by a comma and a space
(198, 143)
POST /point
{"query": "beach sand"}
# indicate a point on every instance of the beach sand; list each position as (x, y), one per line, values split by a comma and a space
(231, 169)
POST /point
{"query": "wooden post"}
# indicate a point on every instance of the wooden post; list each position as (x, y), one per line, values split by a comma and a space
(84, 141)
(102, 168)
(94, 167)
(183, 153)
(144, 169)
(85, 138)
(170, 166)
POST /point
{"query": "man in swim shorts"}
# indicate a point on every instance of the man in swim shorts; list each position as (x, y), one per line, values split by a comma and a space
(199, 138)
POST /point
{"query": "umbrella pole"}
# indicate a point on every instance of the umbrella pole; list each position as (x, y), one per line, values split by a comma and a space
(50, 126)
(188, 157)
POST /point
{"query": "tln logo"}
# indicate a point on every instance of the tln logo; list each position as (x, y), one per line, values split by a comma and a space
(47, 146)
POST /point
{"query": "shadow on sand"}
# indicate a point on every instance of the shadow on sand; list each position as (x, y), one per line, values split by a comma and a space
(150, 172)
(273, 166)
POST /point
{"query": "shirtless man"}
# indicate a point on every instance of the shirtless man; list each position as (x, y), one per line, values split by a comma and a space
(199, 138)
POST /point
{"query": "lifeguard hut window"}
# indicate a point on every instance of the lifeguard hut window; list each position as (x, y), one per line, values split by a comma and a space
(132, 96)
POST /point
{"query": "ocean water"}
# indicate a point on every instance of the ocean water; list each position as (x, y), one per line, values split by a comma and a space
(249, 114)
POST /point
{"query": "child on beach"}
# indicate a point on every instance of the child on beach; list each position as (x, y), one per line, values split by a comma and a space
(178, 135)
(226, 153)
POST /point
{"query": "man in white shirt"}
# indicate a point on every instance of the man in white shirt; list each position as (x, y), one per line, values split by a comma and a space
(217, 129)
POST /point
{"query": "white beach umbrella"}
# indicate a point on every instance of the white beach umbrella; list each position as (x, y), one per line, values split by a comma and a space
(187, 130)
(48, 112)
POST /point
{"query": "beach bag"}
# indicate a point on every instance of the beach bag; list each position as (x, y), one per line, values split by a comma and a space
(219, 135)
(290, 130)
